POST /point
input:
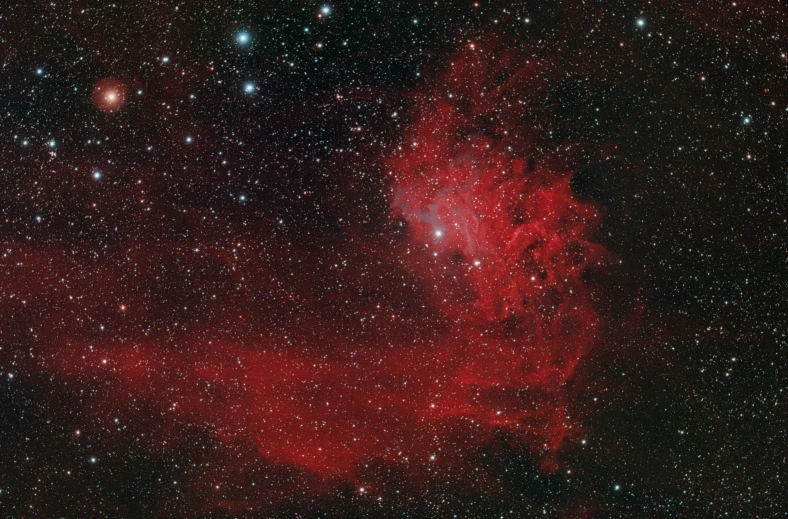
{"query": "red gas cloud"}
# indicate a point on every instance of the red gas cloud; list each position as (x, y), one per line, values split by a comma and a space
(501, 243)
(493, 237)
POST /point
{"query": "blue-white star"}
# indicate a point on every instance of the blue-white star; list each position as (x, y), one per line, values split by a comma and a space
(243, 38)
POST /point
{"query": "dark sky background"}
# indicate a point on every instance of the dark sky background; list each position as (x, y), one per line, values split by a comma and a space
(393, 259)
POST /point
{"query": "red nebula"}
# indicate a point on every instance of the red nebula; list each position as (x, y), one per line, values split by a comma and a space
(500, 242)
(489, 231)
(109, 95)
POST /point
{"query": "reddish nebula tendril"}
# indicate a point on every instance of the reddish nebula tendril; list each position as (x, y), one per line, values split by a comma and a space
(485, 224)
(500, 242)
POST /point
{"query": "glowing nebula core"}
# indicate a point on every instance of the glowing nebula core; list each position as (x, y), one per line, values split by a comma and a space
(500, 242)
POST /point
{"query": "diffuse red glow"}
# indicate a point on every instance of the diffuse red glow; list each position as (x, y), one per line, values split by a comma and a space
(499, 243)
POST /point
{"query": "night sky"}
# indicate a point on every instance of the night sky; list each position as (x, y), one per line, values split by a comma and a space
(362, 259)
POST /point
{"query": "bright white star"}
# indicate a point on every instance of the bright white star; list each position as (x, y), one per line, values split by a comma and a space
(243, 38)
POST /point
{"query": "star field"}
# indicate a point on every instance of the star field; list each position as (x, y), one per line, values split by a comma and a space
(393, 259)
